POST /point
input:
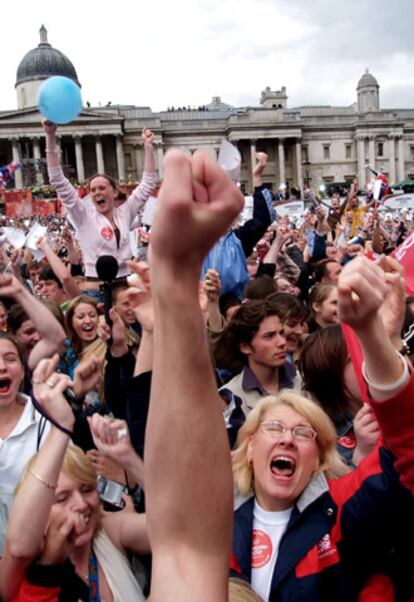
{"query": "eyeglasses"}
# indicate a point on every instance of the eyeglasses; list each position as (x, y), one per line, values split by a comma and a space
(276, 429)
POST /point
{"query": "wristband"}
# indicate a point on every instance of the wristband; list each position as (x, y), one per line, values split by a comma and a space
(395, 385)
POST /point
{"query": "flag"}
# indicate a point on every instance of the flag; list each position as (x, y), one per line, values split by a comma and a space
(380, 187)
(404, 254)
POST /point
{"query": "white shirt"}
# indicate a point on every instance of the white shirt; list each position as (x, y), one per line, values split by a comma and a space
(15, 450)
(268, 529)
(95, 233)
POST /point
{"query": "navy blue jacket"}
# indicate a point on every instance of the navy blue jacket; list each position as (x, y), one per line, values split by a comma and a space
(341, 531)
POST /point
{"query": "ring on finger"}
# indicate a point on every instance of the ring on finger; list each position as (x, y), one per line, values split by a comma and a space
(122, 433)
(50, 384)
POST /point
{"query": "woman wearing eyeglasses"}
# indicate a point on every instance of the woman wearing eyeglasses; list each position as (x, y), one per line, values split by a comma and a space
(305, 534)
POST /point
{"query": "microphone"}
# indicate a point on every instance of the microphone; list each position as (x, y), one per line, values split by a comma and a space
(107, 269)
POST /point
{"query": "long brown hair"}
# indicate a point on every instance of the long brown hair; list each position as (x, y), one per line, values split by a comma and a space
(322, 363)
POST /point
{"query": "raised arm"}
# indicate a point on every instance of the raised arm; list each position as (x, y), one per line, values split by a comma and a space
(189, 497)
(64, 188)
(25, 538)
(59, 268)
(141, 193)
(51, 332)
(362, 289)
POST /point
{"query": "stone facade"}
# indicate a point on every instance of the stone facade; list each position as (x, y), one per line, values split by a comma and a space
(306, 145)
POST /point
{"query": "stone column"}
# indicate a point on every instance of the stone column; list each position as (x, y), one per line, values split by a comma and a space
(401, 166)
(391, 160)
(18, 179)
(252, 158)
(371, 151)
(281, 156)
(99, 155)
(37, 161)
(139, 159)
(160, 159)
(120, 159)
(361, 160)
(80, 168)
(299, 164)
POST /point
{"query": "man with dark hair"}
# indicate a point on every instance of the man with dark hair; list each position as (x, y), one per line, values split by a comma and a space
(326, 270)
(52, 288)
(254, 343)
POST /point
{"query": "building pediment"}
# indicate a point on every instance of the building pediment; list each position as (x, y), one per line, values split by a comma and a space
(26, 116)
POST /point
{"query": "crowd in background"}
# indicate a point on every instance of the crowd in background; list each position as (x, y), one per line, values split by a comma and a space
(263, 344)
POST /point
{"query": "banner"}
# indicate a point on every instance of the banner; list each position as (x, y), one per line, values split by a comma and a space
(404, 254)
(292, 208)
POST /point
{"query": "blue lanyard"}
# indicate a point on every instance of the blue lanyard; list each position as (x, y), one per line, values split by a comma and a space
(93, 578)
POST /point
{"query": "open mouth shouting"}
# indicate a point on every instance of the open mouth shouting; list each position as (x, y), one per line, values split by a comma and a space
(283, 467)
(88, 329)
(5, 384)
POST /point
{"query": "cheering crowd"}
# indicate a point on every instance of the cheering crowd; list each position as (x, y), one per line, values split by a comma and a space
(230, 419)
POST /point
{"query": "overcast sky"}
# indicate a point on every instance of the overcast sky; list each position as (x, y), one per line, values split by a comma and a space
(160, 53)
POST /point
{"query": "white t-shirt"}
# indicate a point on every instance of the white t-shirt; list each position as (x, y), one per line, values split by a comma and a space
(268, 528)
(15, 450)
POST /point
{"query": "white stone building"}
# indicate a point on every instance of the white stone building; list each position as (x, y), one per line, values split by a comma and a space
(311, 144)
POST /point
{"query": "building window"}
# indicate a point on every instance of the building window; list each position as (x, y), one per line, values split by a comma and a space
(328, 179)
(305, 153)
(326, 151)
(348, 151)
(412, 152)
(380, 149)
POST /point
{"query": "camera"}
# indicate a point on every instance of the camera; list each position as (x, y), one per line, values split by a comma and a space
(110, 494)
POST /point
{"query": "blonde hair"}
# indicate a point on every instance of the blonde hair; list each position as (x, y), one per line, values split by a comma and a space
(330, 461)
(240, 591)
(76, 465)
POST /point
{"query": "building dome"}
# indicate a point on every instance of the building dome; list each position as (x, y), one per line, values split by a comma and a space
(43, 62)
(367, 81)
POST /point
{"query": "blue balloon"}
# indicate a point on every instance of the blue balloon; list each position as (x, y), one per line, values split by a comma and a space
(59, 99)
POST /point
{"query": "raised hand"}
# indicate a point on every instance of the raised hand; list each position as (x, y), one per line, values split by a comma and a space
(147, 136)
(87, 375)
(48, 387)
(139, 293)
(49, 127)
(197, 203)
(10, 286)
(111, 437)
(362, 289)
(212, 285)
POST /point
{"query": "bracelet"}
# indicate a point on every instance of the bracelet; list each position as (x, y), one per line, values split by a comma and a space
(395, 385)
(49, 418)
(42, 480)
(52, 150)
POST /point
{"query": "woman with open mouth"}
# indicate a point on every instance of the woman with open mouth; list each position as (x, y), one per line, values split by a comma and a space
(22, 429)
(311, 529)
(102, 228)
(68, 535)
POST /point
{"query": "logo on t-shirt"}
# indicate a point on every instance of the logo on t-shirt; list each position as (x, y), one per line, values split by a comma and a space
(107, 233)
(261, 549)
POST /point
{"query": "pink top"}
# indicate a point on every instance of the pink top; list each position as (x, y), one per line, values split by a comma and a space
(94, 231)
